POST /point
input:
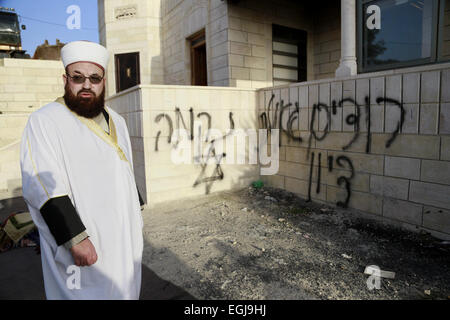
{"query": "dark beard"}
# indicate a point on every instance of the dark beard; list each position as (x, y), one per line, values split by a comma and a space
(85, 107)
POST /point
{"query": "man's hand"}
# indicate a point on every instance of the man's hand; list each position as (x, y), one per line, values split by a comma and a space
(84, 253)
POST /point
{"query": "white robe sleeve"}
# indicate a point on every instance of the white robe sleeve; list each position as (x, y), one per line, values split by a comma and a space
(41, 161)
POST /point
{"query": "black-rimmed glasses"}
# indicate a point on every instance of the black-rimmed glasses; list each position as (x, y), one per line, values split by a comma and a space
(79, 79)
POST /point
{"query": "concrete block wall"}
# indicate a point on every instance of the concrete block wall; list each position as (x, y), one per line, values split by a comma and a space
(153, 113)
(27, 84)
(348, 145)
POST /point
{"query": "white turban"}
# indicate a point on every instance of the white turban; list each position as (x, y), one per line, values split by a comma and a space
(84, 51)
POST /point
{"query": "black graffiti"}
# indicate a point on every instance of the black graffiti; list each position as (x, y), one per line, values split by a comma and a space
(266, 122)
(181, 124)
(340, 180)
(179, 116)
(269, 122)
(169, 121)
(345, 180)
(399, 123)
(354, 119)
(292, 117)
(330, 163)
(208, 116)
(217, 174)
(311, 166)
(319, 167)
(230, 116)
(317, 108)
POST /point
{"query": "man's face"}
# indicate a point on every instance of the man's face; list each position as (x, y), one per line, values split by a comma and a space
(84, 97)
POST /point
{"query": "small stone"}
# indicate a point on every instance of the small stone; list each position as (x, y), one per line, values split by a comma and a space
(244, 209)
(225, 284)
(427, 292)
(281, 220)
(270, 198)
(346, 256)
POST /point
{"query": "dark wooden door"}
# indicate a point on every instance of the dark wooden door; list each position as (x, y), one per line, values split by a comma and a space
(127, 70)
(198, 60)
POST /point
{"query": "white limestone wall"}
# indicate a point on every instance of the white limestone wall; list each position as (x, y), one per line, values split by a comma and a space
(149, 111)
(27, 84)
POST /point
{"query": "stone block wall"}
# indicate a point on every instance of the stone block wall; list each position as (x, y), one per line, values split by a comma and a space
(378, 143)
(27, 84)
(154, 113)
(10, 175)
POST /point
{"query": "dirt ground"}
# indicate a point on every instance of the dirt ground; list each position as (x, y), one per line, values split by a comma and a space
(269, 244)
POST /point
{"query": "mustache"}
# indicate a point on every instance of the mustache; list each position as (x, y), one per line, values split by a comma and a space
(86, 91)
(88, 107)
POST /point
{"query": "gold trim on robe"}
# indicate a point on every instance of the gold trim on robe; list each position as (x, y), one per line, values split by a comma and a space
(110, 138)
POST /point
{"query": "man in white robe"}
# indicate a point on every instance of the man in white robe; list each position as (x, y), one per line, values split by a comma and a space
(78, 183)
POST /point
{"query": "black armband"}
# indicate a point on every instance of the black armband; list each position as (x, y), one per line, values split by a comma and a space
(141, 201)
(62, 219)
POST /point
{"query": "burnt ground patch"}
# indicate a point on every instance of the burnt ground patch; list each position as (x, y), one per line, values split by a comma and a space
(270, 244)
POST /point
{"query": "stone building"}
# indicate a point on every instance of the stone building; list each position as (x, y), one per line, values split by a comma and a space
(227, 43)
(48, 51)
(358, 91)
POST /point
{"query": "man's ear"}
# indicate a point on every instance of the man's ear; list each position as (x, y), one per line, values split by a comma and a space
(64, 79)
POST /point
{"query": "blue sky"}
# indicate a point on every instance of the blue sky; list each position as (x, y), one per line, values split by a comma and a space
(47, 20)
